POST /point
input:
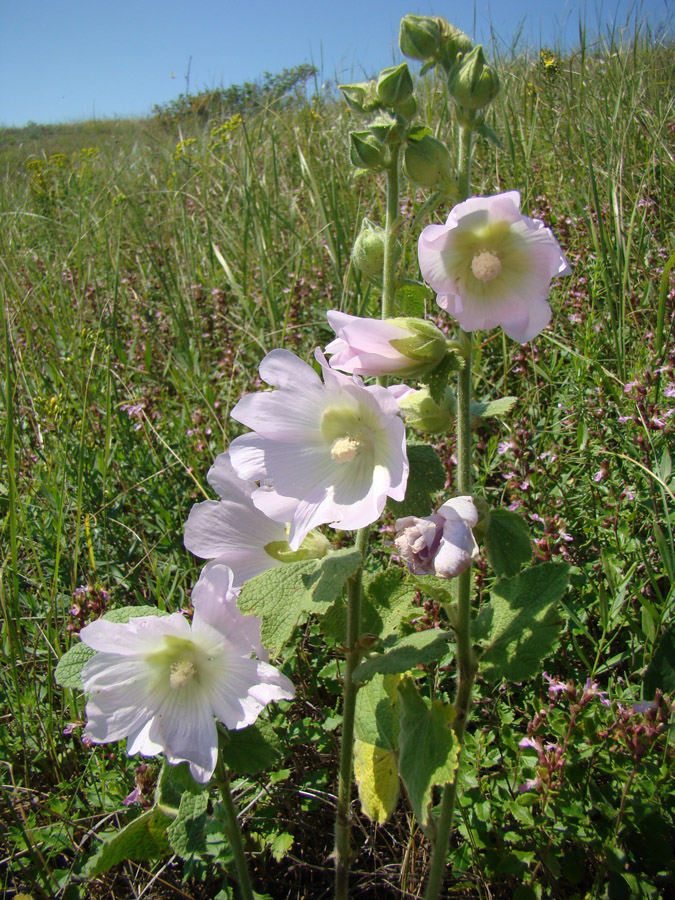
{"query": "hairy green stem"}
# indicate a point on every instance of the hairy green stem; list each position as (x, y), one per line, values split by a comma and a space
(222, 779)
(343, 850)
(466, 660)
(389, 272)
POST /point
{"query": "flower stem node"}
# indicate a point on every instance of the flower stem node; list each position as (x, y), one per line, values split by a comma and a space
(474, 83)
(368, 251)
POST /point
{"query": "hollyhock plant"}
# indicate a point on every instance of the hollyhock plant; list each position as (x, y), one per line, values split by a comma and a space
(161, 682)
(441, 544)
(373, 347)
(233, 531)
(328, 451)
(492, 266)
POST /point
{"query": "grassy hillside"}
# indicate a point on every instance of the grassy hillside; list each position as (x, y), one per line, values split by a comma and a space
(146, 268)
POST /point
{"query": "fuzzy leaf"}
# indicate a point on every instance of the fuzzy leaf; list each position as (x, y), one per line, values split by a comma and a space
(429, 749)
(426, 476)
(376, 715)
(144, 838)
(392, 595)
(402, 655)
(173, 782)
(68, 672)
(376, 775)
(438, 380)
(661, 670)
(248, 751)
(411, 298)
(524, 622)
(507, 542)
(282, 595)
(490, 409)
(186, 833)
(124, 613)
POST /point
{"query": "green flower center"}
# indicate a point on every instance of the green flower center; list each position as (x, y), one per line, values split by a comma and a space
(347, 432)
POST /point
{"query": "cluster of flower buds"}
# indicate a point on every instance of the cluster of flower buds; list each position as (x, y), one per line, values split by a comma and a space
(391, 104)
(472, 82)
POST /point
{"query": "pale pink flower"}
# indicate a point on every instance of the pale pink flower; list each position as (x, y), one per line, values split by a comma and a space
(232, 530)
(162, 681)
(323, 452)
(492, 266)
(441, 544)
(373, 347)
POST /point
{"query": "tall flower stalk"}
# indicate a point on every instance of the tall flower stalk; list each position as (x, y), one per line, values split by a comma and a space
(353, 651)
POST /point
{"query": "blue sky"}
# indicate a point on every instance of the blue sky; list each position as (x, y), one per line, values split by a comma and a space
(67, 60)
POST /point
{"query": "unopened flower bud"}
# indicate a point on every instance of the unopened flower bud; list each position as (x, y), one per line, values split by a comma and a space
(407, 109)
(427, 161)
(368, 252)
(453, 43)
(419, 36)
(361, 97)
(426, 345)
(366, 152)
(423, 413)
(475, 83)
(394, 86)
(441, 544)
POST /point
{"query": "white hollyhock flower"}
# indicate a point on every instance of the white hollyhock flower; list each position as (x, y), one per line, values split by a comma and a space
(162, 681)
(323, 452)
(232, 530)
(441, 544)
(492, 266)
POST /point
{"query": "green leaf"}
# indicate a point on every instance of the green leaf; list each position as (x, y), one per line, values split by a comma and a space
(376, 714)
(376, 775)
(427, 475)
(186, 833)
(428, 747)
(524, 622)
(411, 299)
(68, 672)
(492, 409)
(392, 595)
(420, 648)
(132, 612)
(507, 542)
(438, 380)
(417, 132)
(282, 595)
(173, 782)
(247, 751)
(144, 838)
(661, 670)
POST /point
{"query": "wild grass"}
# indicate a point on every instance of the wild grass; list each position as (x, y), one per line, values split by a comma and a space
(147, 267)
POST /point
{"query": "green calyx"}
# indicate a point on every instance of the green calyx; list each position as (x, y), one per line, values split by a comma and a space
(425, 346)
(419, 36)
(426, 162)
(366, 152)
(314, 546)
(423, 413)
(395, 86)
(368, 250)
(361, 97)
(474, 83)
